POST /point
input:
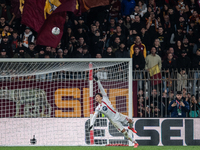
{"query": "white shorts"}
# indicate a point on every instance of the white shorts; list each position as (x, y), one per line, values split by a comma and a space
(118, 122)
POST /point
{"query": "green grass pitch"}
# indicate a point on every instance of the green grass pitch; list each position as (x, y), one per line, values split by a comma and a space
(102, 148)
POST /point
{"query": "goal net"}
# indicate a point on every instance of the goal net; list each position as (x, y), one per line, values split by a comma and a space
(50, 101)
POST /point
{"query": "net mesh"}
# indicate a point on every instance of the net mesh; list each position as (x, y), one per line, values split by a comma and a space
(48, 103)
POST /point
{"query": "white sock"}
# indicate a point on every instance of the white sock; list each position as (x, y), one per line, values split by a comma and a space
(129, 137)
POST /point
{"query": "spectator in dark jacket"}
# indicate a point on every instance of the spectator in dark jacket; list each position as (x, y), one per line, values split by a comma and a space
(168, 66)
(122, 52)
(86, 53)
(22, 54)
(183, 64)
(196, 69)
(3, 54)
(109, 53)
(178, 107)
(138, 65)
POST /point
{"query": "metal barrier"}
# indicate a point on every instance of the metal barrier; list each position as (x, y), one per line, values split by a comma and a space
(154, 93)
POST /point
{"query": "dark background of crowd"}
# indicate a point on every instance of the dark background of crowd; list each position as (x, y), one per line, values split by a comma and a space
(113, 31)
(137, 29)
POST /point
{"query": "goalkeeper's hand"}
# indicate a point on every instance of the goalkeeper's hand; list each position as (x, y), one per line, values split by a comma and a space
(95, 78)
(90, 128)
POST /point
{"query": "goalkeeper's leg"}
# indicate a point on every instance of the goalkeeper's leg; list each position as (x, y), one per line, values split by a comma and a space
(118, 125)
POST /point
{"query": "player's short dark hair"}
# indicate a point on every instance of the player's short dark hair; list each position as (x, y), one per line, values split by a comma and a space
(98, 94)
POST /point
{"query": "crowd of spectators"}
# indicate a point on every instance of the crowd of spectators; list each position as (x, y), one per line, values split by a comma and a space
(114, 31)
(151, 32)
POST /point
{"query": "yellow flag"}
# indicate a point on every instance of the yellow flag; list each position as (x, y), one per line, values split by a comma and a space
(154, 70)
(21, 5)
(50, 6)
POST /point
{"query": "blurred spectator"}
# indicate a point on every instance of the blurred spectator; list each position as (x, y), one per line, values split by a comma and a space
(115, 9)
(138, 65)
(98, 55)
(170, 98)
(119, 34)
(2, 23)
(142, 7)
(131, 38)
(178, 48)
(178, 107)
(168, 27)
(74, 42)
(81, 24)
(109, 53)
(111, 29)
(137, 25)
(195, 17)
(152, 24)
(81, 42)
(5, 31)
(147, 14)
(86, 53)
(3, 54)
(27, 37)
(146, 40)
(178, 35)
(67, 35)
(159, 50)
(141, 107)
(97, 43)
(187, 48)
(141, 46)
(41, 53)
(22, 53)
(66, 53)
(182, 6)
(171, 51)
(168, 66)
(53, 53)
(154, 61)
(138, 59)
(196, 69)
(127, 22)
(82, 34)
(193, 5)
(162, 38)
(127, 7)
(155, 103)
(60, 53)
(6, 45)
(194, 107)
(14, 40)
(31, 50)
(79, 53)
(191, 37)
(172, 17)
(122, 52)
(5, 12)
(115, 45)
(183, 64)
(68, 23)
(196, 46)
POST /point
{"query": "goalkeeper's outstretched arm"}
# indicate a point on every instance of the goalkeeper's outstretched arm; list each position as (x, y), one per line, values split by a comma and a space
(93, 119)
(100, 86)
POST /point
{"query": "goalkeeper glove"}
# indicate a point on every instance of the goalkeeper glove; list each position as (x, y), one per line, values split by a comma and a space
(90, 128)
(95, 78)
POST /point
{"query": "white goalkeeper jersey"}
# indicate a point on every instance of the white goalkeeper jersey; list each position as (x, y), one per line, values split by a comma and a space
(105, 107)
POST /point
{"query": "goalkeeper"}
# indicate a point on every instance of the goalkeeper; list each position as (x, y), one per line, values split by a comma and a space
(115, 117)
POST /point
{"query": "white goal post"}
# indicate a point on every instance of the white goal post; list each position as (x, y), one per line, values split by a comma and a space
(50, 101)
